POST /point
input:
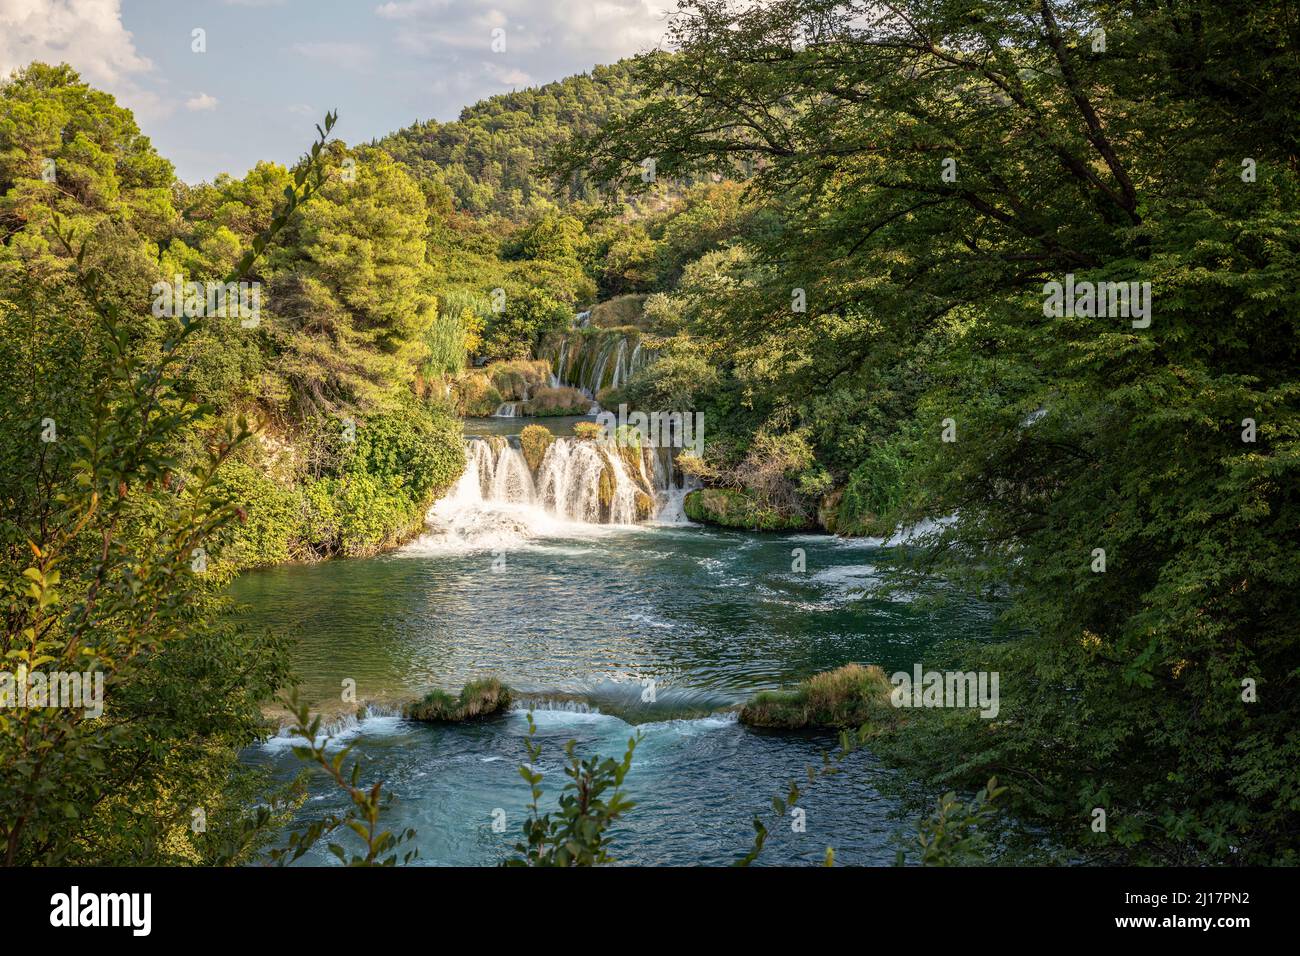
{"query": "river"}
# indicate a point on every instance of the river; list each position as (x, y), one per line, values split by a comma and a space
(602, 630)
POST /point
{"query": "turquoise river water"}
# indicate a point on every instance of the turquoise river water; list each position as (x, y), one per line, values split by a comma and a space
(578, 617)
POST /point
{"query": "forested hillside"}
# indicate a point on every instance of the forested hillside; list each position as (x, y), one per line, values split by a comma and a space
(490, 158)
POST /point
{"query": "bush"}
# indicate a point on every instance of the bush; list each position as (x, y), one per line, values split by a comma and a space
(590, 803)
(413, 449)
(517, 379)
(734, 508)
(534, 440)
(673, 383)
(528, 315)
(619, 311)
(269, 533)
(479, 698)
(550, 402)
(874, 490)
(851, 696)
(475, 395)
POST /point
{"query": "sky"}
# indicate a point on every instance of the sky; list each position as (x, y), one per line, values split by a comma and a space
(271, 68)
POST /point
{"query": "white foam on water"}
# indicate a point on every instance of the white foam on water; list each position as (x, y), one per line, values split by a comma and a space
(581, 490)
(376, 721)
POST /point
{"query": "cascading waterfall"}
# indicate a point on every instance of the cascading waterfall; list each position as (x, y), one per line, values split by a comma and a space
(592, 359)
(500, 500)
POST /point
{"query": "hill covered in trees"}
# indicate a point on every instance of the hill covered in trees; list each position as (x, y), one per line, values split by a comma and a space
(490, 158)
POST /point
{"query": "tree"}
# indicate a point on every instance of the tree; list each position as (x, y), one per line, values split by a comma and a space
(935, 167)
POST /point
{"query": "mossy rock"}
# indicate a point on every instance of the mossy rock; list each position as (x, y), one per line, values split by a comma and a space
(588, 431)
(632, 461)
(733, 508)
(608, 484)
(849, 697)
(828, 511)
(479, 698)
(533, 442)
(645, 506)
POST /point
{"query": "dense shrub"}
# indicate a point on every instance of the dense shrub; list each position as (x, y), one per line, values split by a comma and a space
(479, 698)
(516, 380)
(271, 530)
(475, 396)
(851, 696)
(534, 440)
(549, 402)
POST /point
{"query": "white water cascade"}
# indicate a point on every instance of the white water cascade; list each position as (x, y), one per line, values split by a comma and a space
(578, 484)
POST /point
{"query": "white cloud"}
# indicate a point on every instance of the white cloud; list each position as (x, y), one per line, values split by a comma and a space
(201, 102)
(411, 10)
(599, 30)
(509, 75)
(86, 34)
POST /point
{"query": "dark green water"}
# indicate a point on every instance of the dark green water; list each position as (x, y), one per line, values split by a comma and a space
(578, 620)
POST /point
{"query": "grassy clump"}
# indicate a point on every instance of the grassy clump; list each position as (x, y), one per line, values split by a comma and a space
(548, 402)
(588, 431)
(478, 698)
(848, 697)
(533, 442)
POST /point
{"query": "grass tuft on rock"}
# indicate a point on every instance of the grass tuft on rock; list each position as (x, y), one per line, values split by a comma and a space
(478, 698)
(848, 697)
(534, 440)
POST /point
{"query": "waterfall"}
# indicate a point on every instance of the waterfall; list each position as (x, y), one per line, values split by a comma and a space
(591, 359)
(507, 410)
(578, 484)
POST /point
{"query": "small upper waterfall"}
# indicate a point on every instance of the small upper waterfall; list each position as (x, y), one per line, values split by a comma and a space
(499, 499)
(592, 359)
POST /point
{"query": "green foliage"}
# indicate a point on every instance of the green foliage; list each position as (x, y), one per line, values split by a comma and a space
(590, 803)
(534, 440)
(528, 315)
(267, 533)
(736, 508)
(552, 237)
(475, 395)
(924, 302)
(490, 157)
(381, 847)
(674, 382)
(103, 573)
(874, 491)
(517, 380)
(478, 698)
(409, 449)
(373, 492)
(953, 835)
(851, 696)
